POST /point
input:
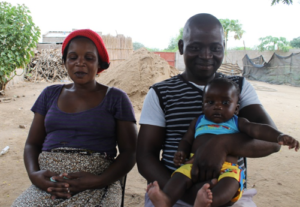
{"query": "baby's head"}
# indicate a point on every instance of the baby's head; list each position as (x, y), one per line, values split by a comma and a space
(220, 100)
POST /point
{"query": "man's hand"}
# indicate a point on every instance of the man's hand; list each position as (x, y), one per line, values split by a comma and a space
(179, 158)
(284, 139)
(208, 160)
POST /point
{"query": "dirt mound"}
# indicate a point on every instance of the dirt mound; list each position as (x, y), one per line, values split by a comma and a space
(135, 75)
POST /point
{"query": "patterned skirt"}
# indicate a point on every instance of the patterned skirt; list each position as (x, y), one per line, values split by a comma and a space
(60, 162)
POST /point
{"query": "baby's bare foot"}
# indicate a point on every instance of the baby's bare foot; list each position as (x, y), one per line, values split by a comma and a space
(157, 196)
(204, 197)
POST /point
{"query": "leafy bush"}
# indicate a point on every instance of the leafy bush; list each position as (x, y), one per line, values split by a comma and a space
(18, 36)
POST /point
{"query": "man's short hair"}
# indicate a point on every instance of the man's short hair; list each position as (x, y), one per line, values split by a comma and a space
(203, 19)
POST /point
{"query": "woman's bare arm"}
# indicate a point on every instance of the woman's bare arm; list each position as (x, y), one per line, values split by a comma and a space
(33, 147)
(127, 141)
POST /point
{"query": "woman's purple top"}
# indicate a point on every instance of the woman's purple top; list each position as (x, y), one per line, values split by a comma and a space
(94, 129)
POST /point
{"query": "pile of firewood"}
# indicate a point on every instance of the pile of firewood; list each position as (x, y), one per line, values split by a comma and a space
(46, 64)
(230, 69)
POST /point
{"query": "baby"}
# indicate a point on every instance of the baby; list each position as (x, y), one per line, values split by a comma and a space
(220, 108)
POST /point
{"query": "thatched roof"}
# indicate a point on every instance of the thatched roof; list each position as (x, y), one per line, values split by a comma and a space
(230, 69)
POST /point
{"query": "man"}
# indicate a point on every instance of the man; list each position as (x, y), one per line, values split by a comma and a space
(171, 105)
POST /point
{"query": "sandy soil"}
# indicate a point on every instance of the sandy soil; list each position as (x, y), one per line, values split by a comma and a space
(275, 177)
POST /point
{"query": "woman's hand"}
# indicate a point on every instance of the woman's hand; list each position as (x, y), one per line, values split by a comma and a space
(77, 182)
(41, 179)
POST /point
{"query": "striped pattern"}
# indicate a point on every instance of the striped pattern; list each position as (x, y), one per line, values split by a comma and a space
(94, 129)
(181, 102)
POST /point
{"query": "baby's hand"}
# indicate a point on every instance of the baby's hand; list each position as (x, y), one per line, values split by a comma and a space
(179, 158)
(284, 139)
(190, 160)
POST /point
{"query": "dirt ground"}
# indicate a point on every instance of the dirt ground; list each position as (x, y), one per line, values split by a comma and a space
(275, 177)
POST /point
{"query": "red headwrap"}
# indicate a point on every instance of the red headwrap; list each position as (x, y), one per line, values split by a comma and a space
(97, 40)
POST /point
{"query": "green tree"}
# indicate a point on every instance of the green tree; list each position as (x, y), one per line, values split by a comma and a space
(18, 36)
(173, 45)
(273, 43)
(231, 26)
(288, 2)
(295, 42)
(137, 45)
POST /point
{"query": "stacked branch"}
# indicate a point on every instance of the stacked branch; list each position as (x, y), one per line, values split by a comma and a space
(230, 69)
(118, 47)
(46, 64)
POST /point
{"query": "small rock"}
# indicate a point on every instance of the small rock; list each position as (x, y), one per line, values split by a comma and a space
(14, 99)
(5, 100)
(23, 96)
(279, 183)
(5, 150)
(22, 126)
(21, 108)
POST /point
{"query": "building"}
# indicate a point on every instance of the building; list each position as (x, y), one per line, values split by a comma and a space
(57, 37)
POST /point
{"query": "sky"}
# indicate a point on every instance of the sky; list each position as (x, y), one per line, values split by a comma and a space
(153, 23)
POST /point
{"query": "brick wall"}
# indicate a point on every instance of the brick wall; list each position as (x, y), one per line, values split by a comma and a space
(168, 56)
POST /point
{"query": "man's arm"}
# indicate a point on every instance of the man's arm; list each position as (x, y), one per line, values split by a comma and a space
(258, 131)
(151, 137)
(150, 141)
(266, 133)
(248, 147)
(208, 161)
(257, 114)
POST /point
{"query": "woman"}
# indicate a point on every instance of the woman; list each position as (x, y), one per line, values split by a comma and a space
(69, 153)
